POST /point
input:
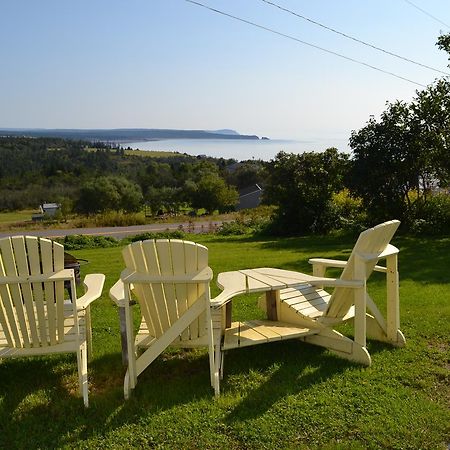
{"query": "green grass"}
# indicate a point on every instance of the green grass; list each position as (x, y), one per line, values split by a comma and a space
(285, 395)
(16, 216)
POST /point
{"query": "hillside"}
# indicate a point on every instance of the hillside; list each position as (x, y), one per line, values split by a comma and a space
(123, 135)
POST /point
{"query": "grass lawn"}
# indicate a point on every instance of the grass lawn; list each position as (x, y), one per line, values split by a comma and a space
(16, 216)
(287, 395)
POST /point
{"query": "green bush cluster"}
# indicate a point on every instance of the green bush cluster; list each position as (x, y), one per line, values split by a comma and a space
(431, 217)
(256, 220)
(81, 241)
(176, 234)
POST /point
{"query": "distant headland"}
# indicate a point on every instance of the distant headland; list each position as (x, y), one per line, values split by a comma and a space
(124, 135)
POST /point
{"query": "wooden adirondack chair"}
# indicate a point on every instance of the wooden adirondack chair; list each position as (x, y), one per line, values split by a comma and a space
(314, 305)
(35, 318)
(170, 279)
(299, 307)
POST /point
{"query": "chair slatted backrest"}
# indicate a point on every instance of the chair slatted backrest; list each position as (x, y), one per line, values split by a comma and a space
(31, 313)
(371, 242)
(162, 303)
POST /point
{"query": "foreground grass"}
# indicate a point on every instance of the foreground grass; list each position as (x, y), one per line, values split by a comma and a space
(283, 395)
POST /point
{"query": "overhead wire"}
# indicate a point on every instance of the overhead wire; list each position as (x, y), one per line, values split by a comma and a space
(427, 13)
(293, 38)
(352, 37)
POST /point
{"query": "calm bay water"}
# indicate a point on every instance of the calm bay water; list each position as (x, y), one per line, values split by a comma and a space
(239, 149)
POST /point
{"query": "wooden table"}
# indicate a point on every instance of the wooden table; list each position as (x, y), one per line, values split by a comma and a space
(270, 281)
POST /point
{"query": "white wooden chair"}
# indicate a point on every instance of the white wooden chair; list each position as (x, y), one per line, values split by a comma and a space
(35, 318)
(170, 279)
(299, 307)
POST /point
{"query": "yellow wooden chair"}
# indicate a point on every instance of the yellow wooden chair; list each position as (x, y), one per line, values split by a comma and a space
(317, 306)
(299, 305)
(170, 279)
(35, 317)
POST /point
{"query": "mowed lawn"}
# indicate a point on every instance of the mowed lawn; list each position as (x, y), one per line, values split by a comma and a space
(288, 395)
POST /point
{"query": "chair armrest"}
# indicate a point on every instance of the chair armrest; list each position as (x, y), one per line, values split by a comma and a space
(328, 262)
(93, 284)
(117, 293)
(130, 276)
(335, 263)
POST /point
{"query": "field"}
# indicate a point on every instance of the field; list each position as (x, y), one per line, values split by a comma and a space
(278, 396)
(7, 218)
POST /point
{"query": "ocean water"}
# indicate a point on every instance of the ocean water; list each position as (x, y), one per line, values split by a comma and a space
(239, 149)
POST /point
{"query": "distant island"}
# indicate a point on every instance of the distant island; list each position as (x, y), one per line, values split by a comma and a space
(124, 135)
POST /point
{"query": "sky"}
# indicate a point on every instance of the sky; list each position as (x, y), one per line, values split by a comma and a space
(174, 64)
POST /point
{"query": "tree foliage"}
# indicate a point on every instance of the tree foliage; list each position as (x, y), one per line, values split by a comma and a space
(301, 186)
(406, 151)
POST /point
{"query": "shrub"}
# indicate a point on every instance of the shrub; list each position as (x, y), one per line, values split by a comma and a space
(255, 220)
(176, 234)
(430, 217)
(347, 212)
(80, 241)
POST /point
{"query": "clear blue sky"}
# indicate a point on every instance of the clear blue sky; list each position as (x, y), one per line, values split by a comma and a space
(171, 64)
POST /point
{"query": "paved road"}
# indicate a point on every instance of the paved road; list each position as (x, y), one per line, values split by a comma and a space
(121, 232)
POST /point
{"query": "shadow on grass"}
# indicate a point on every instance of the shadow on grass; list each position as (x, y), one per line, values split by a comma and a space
(424, 260)
(40, 395)
(287, 368)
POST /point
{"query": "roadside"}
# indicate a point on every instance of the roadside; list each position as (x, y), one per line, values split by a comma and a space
(121, 232)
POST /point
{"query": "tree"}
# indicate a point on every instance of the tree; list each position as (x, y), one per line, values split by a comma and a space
(109, 193)
(211, 192)
(406, 150)
(301, 186)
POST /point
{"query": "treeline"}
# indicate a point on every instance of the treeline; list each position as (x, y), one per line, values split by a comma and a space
(93, 178)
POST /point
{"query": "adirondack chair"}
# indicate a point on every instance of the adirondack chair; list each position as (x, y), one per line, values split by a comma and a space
(170, 279)
(299, 307)
(35, 318)
(315, 305)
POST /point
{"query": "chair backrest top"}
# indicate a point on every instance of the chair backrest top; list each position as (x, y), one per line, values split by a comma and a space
(31, 313)
(369, 247)
(163, 302)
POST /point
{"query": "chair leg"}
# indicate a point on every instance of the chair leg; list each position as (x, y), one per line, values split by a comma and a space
(82, 372)
(126, 386)
(222, 355)
(88, 328)
(217, 359)
(340, 345)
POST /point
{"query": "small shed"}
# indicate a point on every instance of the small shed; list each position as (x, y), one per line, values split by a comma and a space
(49, 209)
(249, 197)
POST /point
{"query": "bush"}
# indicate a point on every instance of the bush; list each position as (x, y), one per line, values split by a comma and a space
(111, 219)
(347, 212)
(80, 241)
(255, 220)
(430, 217)
(176, 234)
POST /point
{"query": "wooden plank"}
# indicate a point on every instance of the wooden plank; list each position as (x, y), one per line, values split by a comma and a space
(201, 321)
(167, 298)
(145, 260)
(58, 264)
(256, 279)
(21, 259)
(46, 257)
(34, 259)
(8, 316)
(18, 316)
(244, 334)
(271, 304)
(181, 258)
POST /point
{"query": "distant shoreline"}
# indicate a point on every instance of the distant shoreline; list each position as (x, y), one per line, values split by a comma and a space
(125, 135)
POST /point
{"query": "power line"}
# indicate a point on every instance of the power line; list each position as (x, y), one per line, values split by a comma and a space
(353, 38)
(427, 13)
(287, 36)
